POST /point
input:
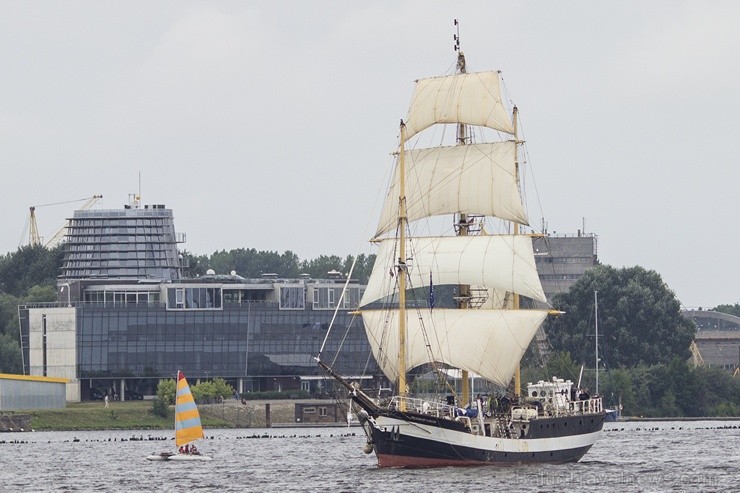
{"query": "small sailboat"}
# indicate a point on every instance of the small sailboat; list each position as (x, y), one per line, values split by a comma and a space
(484, 329)
(187, 426)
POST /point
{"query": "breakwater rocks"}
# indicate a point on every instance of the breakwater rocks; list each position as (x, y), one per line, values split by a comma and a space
(157, 438)
(15, 422)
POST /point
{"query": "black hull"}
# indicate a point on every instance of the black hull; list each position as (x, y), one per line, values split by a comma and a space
(427, 453)
(397, 441)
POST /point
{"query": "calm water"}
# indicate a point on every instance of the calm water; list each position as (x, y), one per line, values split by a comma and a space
(655, 456)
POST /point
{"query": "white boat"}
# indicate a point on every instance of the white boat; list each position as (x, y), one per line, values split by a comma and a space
(488, 329)
(188, 427)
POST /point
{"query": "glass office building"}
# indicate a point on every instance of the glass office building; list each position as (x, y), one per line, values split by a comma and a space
(126, 317)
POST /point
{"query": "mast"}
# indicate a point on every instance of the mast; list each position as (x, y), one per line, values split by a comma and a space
(596, 318)
(402, 220)
(464, 289)
(515, 121)
(177, 379)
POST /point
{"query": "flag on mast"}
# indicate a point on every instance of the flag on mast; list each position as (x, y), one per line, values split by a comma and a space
(431, 292)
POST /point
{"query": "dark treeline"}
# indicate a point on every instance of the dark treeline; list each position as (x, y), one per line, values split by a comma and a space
(670, 389)
(250, 263)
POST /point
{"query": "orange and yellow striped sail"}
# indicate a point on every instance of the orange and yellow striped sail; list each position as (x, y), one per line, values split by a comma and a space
(187, 419)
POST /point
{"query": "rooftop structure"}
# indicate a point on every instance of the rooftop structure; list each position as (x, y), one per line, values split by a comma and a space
(562, 259)
(129, 243)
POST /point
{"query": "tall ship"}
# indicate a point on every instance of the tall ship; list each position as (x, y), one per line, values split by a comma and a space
(497, 303)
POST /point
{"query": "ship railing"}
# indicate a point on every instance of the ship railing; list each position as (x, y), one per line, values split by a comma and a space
(422, 406)
(588, 406)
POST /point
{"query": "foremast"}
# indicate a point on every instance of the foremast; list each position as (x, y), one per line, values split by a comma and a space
(463, 228)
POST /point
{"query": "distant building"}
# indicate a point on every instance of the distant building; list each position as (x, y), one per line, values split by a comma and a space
(717, 337)
(321, 412)
(562, 259)
(126, 317)
(23, 392)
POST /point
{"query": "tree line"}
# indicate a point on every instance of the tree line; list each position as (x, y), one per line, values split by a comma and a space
(250, 263)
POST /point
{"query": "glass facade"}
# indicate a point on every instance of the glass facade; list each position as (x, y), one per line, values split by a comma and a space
(254, 339)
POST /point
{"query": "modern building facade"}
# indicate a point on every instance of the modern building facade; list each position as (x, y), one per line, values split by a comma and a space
(126, 317)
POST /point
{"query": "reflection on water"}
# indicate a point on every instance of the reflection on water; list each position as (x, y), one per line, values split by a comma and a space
(656, 456)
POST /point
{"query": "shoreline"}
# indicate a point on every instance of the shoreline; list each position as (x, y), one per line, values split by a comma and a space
(138, 415)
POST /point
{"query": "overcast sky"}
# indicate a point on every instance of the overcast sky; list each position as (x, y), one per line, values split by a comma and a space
(269, 124)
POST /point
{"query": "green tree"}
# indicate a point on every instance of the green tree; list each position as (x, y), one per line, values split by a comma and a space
(640, 319)
(212, 391)
(618, 387)
(29, 266)
(9, 315)
(248, 262)
(160, 408)
(195, 265)
(10, 355)
(166, 390)
(729, 309)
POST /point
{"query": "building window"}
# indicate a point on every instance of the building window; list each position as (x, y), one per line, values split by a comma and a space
(292, 298)
(205, 298)
(322, 412)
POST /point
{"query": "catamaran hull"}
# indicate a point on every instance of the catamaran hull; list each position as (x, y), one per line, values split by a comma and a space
(404, 443)
(166, 456)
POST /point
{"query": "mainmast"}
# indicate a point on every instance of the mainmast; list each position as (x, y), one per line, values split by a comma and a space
(463, 229)
(402, 222)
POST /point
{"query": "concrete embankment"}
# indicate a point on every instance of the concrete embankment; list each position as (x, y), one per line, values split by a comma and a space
(253, 414)
(15, 422)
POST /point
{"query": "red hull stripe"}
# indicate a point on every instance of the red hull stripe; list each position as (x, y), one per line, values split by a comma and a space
(407, 461)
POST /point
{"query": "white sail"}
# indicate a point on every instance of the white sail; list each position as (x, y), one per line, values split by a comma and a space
(472, 99)
(475, 179)
(487, 342)
(503, 262)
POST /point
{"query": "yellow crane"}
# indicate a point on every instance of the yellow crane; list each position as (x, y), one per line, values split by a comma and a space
(35, 239)
(696, 358)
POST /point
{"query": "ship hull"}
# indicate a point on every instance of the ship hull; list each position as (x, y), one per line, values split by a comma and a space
(401, 440)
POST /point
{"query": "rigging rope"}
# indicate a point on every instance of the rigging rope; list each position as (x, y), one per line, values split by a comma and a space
(336, 309)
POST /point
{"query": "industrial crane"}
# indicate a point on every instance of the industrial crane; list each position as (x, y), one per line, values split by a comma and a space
(696, 355)
(34, 239)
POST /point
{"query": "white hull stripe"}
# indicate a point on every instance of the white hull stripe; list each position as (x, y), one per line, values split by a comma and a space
(480, 442)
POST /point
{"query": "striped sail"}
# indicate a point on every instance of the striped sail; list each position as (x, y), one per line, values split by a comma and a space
(187, 419)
